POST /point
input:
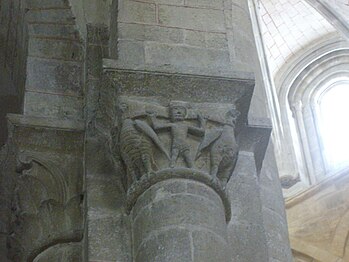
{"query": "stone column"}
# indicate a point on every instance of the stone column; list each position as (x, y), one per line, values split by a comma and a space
(179, 215)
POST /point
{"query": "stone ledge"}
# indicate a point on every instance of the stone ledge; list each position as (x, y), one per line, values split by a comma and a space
(113, 64)
(43, 122)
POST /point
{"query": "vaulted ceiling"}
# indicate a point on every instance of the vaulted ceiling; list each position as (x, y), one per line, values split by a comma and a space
(289, 27)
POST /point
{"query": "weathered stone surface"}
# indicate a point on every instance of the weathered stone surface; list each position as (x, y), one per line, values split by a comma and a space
(47, 48)
(66, 252)
(247, 243)
(150, 33)
(180, 87)
(140, 12)
(46, 206)
(326, 219)
(168, 245)
(172, 216)
(56, 106)
(214, 4)
(207, 247)
(53, 30)
(54, 76)
(47, 3)
(51, 16)
(247, 239)
(177, 218)
(109, 239)
(192, 18)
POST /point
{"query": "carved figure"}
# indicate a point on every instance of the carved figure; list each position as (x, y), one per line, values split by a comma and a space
(179, 133)
(136, 139)
(223, 148)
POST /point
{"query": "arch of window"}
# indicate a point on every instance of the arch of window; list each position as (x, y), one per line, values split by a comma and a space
(302, 95)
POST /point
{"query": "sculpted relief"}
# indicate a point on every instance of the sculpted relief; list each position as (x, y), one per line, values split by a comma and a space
(151, 136)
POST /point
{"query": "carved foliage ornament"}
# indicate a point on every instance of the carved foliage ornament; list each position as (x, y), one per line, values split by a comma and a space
(150, 137)
(46, 209)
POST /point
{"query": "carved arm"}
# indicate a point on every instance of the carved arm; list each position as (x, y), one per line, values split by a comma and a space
(155, 124)
(198, 131)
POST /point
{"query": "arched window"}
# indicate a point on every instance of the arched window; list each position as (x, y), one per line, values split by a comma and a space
(314, 103)
(332, 111)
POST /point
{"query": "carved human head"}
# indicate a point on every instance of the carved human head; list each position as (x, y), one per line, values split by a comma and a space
(122, 106)
(231, 116)
(178, 112)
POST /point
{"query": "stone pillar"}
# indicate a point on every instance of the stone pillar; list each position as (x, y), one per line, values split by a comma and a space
(181, 218)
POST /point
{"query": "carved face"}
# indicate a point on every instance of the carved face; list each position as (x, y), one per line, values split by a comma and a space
(231, 116)
(123, 107)
(178, 113)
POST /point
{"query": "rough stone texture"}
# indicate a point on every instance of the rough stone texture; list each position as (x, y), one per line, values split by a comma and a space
(247, 239)
(12, 61)
(106, 196)
(179, 225)
(146, 37)
(7, 185)
(46, 203)
(321, 233)
(273, 210)
(54, 68)
(200, 37)
(182, 87)
(62, 252)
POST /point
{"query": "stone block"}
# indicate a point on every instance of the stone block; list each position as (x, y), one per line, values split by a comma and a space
(272, 200)
(108, 238)
(247, 243)
(170, 245)
(279, 250)
(170, 2)
(51, 16)
(182, 87)
(275, 225)
(127, 31)
(150, 33)
(242, 43)
(54, 76)
(183, 58)
(214, 4)
(105, 194)
(47, 3)
(246, 204)
(195, 38)
(140, 12)
(131, 52)
(97, 34)
(218, 41)
(56, 106)
(49, 48)
(53, 30)
(94, 60)
(208, 247)
(163, 34)
(192, 18)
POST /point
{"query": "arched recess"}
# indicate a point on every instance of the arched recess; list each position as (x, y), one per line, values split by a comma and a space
(303, 80)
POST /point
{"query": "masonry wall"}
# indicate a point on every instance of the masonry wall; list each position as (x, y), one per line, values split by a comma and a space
(198, 37)
(64, 72)
(12, 60)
